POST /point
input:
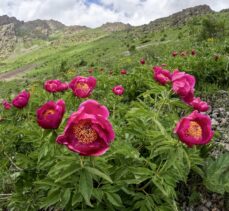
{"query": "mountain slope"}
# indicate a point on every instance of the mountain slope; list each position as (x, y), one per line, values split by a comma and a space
(19, 37)
(181, 17)
(39, 32)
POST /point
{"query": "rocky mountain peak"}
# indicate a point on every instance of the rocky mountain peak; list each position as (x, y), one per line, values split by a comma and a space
(115, 26)
(181, 17)
(5, 19)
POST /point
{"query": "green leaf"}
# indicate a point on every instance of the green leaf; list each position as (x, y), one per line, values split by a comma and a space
(141, 171)
(85, 186)
(99, 173)
(66, 197)
(77, 198)
(114, 199)
(217, 174)
(98, 194)
(67, 173)
(43, 152)
(52, 199)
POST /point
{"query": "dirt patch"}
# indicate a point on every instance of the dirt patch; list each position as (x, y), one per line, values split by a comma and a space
(16, 73)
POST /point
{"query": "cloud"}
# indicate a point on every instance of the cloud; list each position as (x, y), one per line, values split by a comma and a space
(94, 13)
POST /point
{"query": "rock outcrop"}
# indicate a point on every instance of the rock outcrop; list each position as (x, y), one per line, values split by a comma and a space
(8, 39)
(116, 26)
(181, 17)
(5, 20)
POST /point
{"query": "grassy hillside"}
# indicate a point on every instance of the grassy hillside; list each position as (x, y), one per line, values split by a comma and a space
(122, 49)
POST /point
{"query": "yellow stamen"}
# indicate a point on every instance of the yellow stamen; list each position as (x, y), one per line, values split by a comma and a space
(82, 86)
(84, 133)
(194, 130)
(48, 112)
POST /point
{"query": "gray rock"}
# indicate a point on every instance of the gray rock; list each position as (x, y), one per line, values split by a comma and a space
(224, 122)
(215, 115)
(214, 122)
(222, 110)
(208, 204)
(202, 208)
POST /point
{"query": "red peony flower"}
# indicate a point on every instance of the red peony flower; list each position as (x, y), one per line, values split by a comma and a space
(142, 61)
(161, 76)
(6, 105)
(193, 52)
(90, 70)
(88, 131)
(83, 86)
(123, 72)
(49, 115)
(118, 90)
(174, 53)
(194, 129)
(55, 86)
(21, 100)
(199, 105)
(183, 84)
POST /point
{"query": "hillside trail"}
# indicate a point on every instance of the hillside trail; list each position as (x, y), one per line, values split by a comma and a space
(18, 72)
(127, 53)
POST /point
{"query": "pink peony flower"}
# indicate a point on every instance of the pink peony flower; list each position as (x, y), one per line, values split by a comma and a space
(142, 61)
(83, 86)
(183, 84)
(6, 105)
(118, 90)
(199, 105)
(188, 98)
(21, 100)
(88, 131)
(163, 65)
(157, 68)
(55, 86)
(194, 129)
(174, 53)
(161, 76)
(49, 115)
(52, 86)
(123, 72)
(63, 87)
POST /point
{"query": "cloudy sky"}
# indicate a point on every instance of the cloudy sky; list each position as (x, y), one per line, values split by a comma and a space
(94, 13)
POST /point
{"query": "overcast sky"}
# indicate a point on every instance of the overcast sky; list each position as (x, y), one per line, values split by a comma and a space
(94, 13)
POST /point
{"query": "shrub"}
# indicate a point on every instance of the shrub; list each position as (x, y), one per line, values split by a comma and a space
(212, 28)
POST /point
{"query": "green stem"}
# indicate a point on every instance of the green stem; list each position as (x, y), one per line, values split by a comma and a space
(114, 111)
(81, 161)
(92, 159)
